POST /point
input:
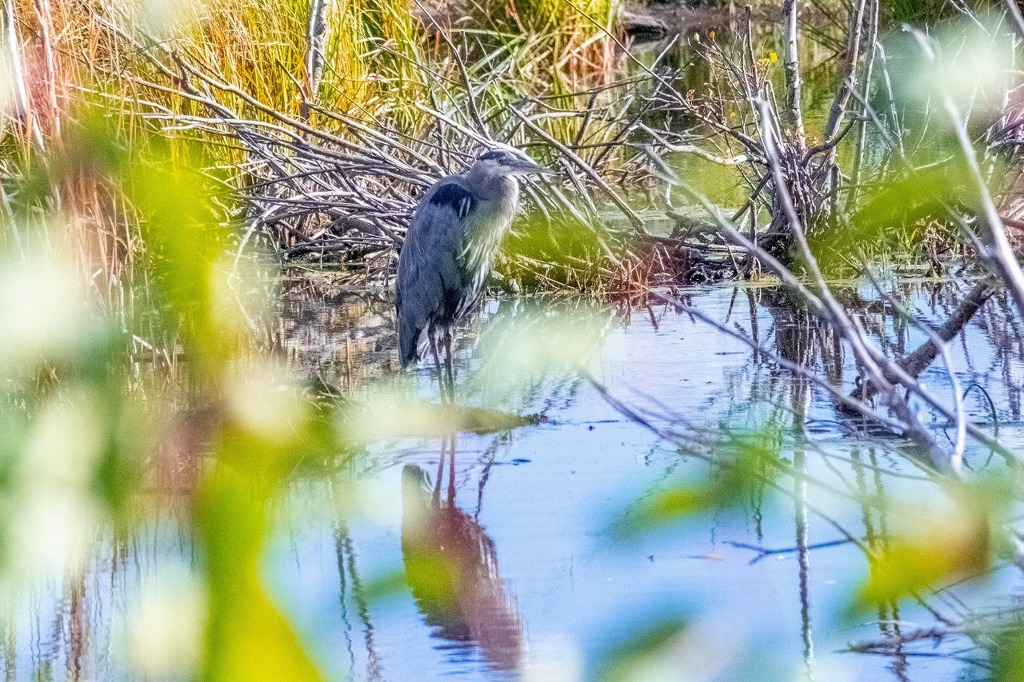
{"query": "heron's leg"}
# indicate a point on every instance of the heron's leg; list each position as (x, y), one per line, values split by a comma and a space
(435, 499)
(451, 471)
(449, 361)
(437, 366)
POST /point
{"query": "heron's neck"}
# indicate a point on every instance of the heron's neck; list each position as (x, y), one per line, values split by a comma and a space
(492, 187)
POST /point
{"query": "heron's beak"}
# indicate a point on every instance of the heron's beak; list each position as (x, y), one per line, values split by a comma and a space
(527, 167)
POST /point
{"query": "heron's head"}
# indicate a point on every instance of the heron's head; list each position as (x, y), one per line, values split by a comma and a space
(502, 162)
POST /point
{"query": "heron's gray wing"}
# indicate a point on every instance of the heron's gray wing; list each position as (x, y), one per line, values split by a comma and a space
(429, 287)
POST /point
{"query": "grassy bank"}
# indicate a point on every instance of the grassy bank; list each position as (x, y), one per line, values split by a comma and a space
(322, 120)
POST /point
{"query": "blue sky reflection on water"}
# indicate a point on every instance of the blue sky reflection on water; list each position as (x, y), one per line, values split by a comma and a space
(550, 590)
(544, 495)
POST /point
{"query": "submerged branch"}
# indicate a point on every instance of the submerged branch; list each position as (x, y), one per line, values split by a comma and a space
(914, 363)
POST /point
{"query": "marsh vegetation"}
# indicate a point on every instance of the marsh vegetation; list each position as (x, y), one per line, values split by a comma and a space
(744, 401)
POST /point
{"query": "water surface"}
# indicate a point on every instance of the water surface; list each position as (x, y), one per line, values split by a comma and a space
(543, 588)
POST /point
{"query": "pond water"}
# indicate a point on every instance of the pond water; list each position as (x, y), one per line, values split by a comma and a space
(544, 588)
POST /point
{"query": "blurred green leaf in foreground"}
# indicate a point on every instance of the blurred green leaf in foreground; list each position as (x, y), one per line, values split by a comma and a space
(218, 430)
(742, 464)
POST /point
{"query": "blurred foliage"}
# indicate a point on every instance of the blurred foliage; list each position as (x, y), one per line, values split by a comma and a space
(934, 546)
(223, 435)
(903, 210)
(971, 62)
(78, 449)
(389, 413)
(1008, 655)
(544, 255)
(742, 464)
(905, 214)
(247, 636)
(900, 203)
(645, 655)
(543, 340)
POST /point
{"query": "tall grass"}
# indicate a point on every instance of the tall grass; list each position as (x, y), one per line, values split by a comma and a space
(577, 45)
(385, 64)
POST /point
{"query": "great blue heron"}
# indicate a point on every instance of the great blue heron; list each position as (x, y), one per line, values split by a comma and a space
(449, 248)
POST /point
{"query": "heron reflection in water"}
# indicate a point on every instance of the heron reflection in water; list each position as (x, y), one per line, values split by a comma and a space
(448, 252)
(451, 567)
